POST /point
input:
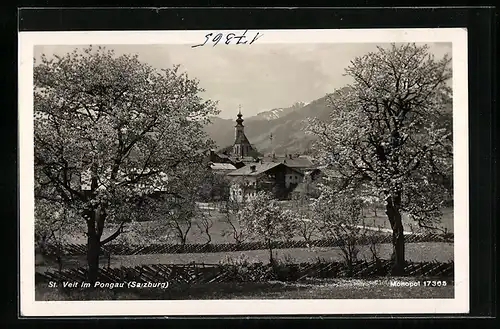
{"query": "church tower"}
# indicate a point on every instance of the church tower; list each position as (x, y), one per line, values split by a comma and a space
(241, 146)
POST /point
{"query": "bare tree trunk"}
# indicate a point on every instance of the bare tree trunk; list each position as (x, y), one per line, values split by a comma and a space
(60, 267)
(93, 248)
(183, 239)
(271, 258)
(94, 230)
(350, 267)
(398, 243)
(209, 237)
(93, 245)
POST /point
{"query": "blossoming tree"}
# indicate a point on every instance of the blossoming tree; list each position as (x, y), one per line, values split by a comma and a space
(338, 216)
(108, 132)
(389, 134)
(265, 219)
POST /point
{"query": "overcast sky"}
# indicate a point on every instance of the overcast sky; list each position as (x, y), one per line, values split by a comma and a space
(260, 77)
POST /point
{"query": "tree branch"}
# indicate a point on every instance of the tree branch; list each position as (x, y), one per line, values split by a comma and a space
(113, 236)
(422, 225)
(60, 184)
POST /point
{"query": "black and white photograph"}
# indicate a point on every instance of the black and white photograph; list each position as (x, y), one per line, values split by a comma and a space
(206, 170)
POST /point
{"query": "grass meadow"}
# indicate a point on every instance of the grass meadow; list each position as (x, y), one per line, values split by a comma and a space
(378, 288)
(158, 230)
(415, 252)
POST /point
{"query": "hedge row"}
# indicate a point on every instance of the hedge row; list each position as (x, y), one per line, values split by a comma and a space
(254, 272)
(171, 248)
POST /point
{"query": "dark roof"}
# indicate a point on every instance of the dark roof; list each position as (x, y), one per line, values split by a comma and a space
(259, 169)
(222, 156)
(294, 162)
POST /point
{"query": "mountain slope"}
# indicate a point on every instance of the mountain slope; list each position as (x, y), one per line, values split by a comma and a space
(285, 125)
(277, 112)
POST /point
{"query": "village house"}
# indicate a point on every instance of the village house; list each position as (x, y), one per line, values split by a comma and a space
(155, 183)
(296, 161)
(248, 171)
(219, 157)
(222, 168)
(273, 177)
(313, 177)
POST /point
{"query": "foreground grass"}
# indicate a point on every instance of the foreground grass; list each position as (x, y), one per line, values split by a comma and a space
(416, 252)
(160, 231)
(311, 289)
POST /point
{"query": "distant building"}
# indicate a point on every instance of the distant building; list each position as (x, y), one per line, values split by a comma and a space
(300, 162)
(241, 146)
(217, 158)
(249, 171)
(325, 171)
(274, 177)
(222, 167)
(313, 177)
(241, 152)
(152, 184)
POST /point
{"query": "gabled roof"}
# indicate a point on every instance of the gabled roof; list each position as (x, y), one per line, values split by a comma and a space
(222, 166)
(259, 169)
(329, 171)
(222, 155)
(294, 162)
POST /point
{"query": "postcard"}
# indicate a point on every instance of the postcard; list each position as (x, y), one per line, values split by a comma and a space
(252, 172)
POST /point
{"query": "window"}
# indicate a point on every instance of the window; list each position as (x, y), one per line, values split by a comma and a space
(295, 177)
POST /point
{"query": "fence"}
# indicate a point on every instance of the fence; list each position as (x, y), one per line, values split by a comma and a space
(255, 272)
(171, 248)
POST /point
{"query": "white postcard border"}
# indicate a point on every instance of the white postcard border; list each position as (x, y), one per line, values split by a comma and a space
(459, 304)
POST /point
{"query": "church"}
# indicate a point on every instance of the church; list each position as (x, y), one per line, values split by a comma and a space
(241, 147)
(242, 152)
(249, 170)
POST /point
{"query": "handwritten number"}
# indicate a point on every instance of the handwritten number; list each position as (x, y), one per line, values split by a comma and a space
(206, 39)
(257, 36)
(217, 38)
(241, 39)
(229, 37)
